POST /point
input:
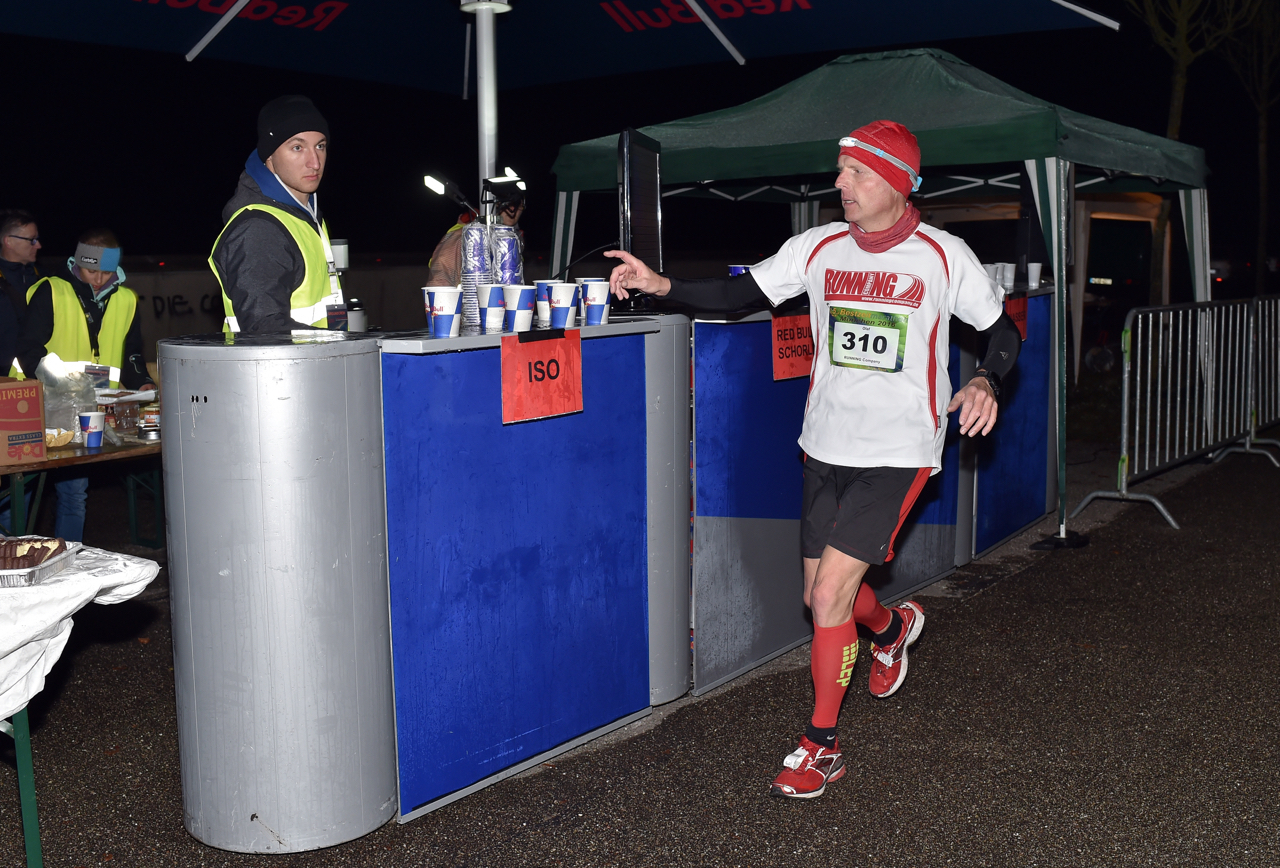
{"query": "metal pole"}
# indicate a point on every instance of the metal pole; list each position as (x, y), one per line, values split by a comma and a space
(486, 98)
(1063, 206)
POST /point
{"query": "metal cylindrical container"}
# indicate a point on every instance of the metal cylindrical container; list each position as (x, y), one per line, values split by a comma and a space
(274, 494)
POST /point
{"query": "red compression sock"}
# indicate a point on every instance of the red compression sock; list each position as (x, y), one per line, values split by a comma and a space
(868, 612)
(831, 660)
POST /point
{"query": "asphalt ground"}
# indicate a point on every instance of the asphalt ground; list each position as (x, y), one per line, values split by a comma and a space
(1110, 705)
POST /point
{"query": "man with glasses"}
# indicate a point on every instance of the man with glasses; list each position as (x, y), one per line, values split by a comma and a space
(19, 246)
(882, 290)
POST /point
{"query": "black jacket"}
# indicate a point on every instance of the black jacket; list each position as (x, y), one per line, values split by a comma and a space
(258, 261)
(15, 279)
(38, 330)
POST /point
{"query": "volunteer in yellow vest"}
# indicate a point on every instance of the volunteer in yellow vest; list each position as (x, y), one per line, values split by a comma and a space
(86, 316)
(273, 258)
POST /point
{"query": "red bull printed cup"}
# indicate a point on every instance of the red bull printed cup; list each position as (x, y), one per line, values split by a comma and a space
(446, 311)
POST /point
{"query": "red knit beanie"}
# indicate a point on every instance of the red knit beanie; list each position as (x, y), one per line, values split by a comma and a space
(894, 139)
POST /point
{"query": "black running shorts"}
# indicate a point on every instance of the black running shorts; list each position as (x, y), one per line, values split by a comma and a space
(856, 510)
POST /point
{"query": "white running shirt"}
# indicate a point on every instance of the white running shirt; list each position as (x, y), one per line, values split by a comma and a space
(881, 324)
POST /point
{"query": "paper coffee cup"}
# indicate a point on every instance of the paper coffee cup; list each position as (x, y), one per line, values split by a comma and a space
(492, 305)
(542, 302)
(595, 301)
(446, 311)
(91, 425)
(562, 299)
(518, 316)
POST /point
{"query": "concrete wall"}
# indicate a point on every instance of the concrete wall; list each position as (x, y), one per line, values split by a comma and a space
(175, 303)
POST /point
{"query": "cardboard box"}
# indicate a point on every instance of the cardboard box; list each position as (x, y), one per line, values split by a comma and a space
(21, 421)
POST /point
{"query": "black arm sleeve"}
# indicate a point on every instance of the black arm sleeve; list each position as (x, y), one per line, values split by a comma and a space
(37, 331)
(740, 292)
(1004, 342)
(133, 370)
(260, 266)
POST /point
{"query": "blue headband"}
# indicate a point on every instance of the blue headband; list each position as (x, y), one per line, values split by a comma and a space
(97, 258)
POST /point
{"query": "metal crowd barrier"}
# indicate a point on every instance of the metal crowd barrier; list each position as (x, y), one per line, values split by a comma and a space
(1266, 365)
(1189, 388)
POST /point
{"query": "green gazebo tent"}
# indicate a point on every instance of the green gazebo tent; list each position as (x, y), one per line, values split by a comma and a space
(961, 116)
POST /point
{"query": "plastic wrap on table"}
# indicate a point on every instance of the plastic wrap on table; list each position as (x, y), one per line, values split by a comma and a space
(507, 255)
(35, 621)
(476, 269)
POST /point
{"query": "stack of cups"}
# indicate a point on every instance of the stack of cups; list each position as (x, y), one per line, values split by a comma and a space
(1006, 276)
(492, 305)
(445, 304)
(518, 313)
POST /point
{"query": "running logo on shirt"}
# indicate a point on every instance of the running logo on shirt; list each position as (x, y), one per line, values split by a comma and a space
(879, 287)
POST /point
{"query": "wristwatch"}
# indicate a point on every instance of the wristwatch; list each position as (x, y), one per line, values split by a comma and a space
(992, 378)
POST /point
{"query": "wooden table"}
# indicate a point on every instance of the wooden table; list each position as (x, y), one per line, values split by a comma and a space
(67, 456)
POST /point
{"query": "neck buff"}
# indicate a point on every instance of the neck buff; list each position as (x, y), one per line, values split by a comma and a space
(887, 239)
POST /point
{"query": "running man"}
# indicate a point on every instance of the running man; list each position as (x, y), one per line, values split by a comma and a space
(882, 290)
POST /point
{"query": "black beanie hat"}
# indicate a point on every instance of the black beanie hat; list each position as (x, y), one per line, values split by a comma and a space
(283, 118)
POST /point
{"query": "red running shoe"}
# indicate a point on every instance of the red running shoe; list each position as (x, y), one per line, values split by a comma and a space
(807, 771)
(889, 662)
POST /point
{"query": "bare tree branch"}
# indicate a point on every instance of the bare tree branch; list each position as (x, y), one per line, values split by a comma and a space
(1187, 29)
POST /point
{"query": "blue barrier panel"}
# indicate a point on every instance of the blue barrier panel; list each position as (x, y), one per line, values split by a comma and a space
(1012, 471)
(747, 425)
(517, 561)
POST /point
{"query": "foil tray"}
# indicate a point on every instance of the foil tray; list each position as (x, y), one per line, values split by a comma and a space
(37, 574)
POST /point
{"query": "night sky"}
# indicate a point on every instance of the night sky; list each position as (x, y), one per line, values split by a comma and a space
(152, 145)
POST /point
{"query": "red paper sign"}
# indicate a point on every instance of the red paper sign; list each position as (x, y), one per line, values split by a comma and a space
(541, 377)
(792, 347)
(1017, 310)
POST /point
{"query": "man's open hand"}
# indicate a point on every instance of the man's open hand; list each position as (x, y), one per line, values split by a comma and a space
(977, 405)
(633, 274)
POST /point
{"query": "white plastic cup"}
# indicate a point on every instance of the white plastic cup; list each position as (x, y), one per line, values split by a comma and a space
(992, 270)
(595, 302)
(518, 316)
(563, 301)
(446, 311)
(91, 425)
(1033, 275)
(542, 302)
(582, 293)
(1006, 275)
(493, 305)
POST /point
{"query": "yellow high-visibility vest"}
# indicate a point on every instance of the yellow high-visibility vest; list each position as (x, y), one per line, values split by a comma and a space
(308, 303)
(70, 339)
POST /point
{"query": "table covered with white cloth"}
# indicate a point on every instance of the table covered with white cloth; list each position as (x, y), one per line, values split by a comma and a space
(35, 621)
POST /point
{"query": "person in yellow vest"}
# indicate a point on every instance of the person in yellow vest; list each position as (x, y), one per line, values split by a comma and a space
(89, 319)
(273, 258)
